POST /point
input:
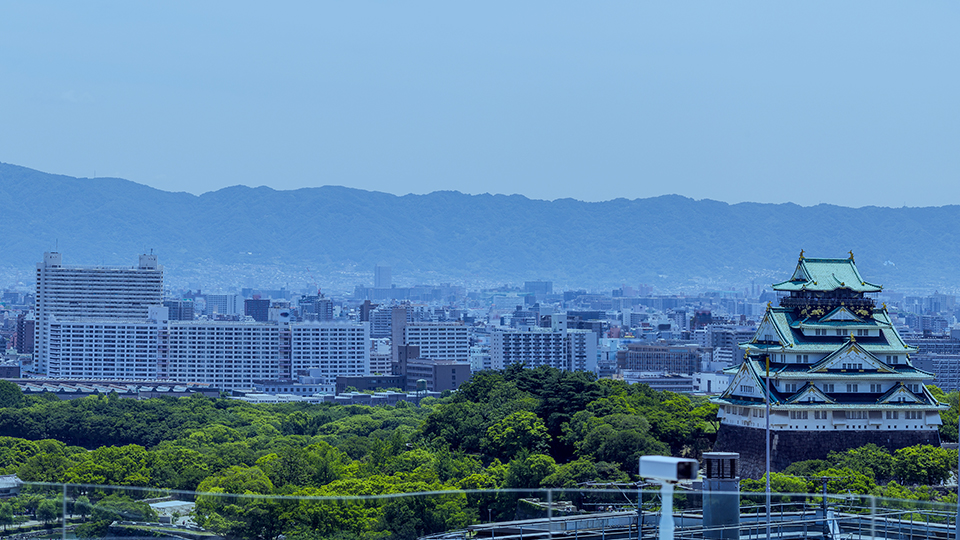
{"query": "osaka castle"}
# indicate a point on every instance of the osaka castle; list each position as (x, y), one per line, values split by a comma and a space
(839, 374)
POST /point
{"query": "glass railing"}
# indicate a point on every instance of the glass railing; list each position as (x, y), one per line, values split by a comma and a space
(372, 512)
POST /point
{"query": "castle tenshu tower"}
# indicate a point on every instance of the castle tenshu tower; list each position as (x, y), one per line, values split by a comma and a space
(840, 375)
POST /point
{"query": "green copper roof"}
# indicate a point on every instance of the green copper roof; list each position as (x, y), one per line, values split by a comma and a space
(826, 275)
(792, 340)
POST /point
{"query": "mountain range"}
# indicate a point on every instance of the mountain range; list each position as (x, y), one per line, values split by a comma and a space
(335, 235)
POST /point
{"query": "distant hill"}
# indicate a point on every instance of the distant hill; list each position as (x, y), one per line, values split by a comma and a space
(671, 242)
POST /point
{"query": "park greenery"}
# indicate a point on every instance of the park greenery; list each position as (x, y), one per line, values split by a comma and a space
(302, 465)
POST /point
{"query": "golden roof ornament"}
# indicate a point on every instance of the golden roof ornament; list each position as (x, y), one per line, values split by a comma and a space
(851, 256)
(801, 254)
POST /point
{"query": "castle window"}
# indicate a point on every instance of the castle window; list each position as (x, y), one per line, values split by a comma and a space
(746, 389)
(914, 415)
(828, 387)
(893, 415)
(820, 415)
(839, 332)
(798, 415)
(852, 388)
(855, 415)
(792, 387)
(876, 388)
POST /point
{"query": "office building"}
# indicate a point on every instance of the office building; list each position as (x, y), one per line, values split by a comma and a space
(442, 341)
(222, 304)
(257, 308)
(662, 358)
(381, 277)
(180, 310)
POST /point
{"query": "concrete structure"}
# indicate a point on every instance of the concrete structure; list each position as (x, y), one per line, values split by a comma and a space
(573, 350)
(257, 308)
(26, 333)
(226, 354)
(331, 349)
(371, 382)
(662, 357)
(180, 310)
(440, 375)
(672, 382)
(315, 308)
(840, 375)
(221, 304)
(381, 361)
(444, 341)
(84, 292)
(381, 277)
(67, 389)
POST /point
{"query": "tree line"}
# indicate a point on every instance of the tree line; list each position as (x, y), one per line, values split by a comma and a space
(524, 429)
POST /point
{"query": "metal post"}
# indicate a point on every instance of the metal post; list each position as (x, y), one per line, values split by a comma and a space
(550, 513)
(768, 445)
(64, 529)
(640, 512)
(666, 511)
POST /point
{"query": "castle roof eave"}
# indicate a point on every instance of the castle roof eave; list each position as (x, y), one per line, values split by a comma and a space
(821, 275)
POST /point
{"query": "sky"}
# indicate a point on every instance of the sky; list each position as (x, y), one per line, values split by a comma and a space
(850, 103)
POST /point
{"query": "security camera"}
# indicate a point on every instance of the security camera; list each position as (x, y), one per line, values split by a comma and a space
(669, 469)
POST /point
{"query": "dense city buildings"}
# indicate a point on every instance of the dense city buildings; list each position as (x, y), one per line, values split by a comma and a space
(278, 337)
(839, 374)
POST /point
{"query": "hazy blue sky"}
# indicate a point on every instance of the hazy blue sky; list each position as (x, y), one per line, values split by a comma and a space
(850, 103)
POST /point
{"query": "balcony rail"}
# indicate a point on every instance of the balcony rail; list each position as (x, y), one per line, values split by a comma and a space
(587, 511)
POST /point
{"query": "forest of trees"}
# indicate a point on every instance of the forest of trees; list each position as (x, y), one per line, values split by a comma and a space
(519, 428)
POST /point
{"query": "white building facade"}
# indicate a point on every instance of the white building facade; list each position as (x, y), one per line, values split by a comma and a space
(439, 341)
(573, 350)
(87, 292)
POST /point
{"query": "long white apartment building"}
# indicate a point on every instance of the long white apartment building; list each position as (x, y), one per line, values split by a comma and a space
(439, 340)
(227, 354)
(333, 348)
(102, 292)
(562, 348)
(107, 322)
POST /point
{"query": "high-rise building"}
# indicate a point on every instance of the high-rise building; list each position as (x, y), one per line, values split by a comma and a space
(381, 277)
(538, 288)
(25, 333)
(66, 293)
(179, 310)
(257, 308)
(315, 308)
(223, 304)
(839, 375)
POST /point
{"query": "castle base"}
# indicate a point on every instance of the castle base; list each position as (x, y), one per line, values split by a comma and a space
(787, 447)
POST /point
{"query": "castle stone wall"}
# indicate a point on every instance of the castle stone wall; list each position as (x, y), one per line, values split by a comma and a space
(788, 447)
